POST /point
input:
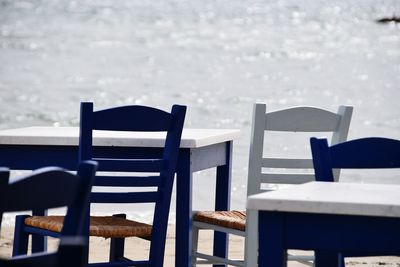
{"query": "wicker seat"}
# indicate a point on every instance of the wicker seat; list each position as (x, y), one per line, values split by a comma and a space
(230, 219)
(103, 226)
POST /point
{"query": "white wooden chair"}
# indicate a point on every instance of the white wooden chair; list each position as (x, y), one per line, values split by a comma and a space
(297, 119)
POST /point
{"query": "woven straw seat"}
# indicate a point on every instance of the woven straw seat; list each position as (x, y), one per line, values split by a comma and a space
(103, 226)
(230, 219)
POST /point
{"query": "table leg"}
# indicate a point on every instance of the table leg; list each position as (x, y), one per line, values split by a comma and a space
(183, 230)
(222, 201)
(271, 251)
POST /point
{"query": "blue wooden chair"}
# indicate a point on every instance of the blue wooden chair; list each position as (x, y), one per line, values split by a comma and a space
(46, 188)
(364, 153)
(158, 186)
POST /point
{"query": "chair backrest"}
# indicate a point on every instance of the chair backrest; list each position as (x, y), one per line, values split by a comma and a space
(364, 153)
(135, 118)
(46, 188)
(296, 119)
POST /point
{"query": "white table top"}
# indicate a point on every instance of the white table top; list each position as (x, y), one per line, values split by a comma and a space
(332, 198)
(64, 136)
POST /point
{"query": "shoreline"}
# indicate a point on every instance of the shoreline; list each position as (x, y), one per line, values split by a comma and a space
(138, 248)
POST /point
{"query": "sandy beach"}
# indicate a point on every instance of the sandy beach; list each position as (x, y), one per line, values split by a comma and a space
(138, 248)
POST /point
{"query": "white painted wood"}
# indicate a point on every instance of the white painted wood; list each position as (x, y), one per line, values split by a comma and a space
(208, 259)
(68, 136)
(256, 149)
(302, 119)
(341, 133)
(195, 242)
(204, 157)
(298, 119)
(213, 259)
(251, 240)
(286, 178)
(321, 197)
(287, 163)
(202, 225)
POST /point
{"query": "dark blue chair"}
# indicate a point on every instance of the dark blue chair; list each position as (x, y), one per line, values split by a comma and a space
(364, 153)
(158, 185)
(46, 188)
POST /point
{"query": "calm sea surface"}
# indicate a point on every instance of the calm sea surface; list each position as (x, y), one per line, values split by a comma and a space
(218, 57)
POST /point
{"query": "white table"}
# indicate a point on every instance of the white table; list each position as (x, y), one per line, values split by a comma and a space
(34, 147)
(328, 218)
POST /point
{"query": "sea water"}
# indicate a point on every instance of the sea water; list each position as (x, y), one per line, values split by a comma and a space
(218, 57)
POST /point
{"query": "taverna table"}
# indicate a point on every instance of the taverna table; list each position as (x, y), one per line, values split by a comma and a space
(33, 147)
(329, 218)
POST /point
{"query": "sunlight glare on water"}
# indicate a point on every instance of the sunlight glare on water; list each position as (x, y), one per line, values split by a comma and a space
(218, 57)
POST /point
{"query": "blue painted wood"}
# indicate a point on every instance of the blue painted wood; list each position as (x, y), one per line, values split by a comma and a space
(272, 249)
(184, 185)
(28, 157)
(326, 259)
(131, 118)
(49, 188)
(70, 253)
(117, 245)
(40, 232)
(326, 233)
(222, 197)
(21, 238)
(137, 118)
(364, 153)
(127, 181)
(131, 165)
(125, 197)
(39, 243)
(4, 176)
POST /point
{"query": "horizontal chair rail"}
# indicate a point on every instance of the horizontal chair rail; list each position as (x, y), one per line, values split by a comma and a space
(127, 181)
(304, 119)
(35, 230)
(202, 225)
(131, 165)
(214, 259)
(121, 197)
(286, 178)
(287, 163)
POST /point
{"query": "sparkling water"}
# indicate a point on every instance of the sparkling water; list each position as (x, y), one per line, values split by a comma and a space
(218, 57)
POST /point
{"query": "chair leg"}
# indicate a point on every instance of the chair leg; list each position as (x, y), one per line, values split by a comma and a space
(72, 252)
(326, 259)
(39, 243)
(341, 260)
(117, 245)
(195, 241)
(21, 238)
(251, 240)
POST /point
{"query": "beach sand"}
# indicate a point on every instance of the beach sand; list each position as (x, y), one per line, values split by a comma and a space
(138, 248)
